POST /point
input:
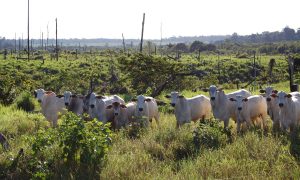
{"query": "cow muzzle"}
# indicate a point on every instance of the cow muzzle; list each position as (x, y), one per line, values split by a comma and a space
(116, 114)
(92, 106)
(140, 109)
(239, 108)
(173, 104)
(280, 104)
(212, 98)
(268, 99)
(66, 104)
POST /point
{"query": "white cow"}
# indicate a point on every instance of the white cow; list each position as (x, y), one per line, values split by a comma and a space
(250, 109)
(73, 102)
(273, 108)
(51, 105)
(98, 107)
(122, 114)
(190, 109)
(223, 109)
(289, 105)
(146, 107)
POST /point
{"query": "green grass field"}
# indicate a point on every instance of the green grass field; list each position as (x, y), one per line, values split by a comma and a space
(159, 152)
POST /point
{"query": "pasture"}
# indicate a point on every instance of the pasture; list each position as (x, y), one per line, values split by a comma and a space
(78, 149)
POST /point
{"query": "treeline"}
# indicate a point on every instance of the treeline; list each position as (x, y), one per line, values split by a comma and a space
(287, 34)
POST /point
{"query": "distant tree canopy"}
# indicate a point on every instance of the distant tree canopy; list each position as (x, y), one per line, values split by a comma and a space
(181, 47)
(197, 45)
(287, 34)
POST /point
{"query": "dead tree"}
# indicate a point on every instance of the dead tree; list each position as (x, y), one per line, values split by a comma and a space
(56, 48)
(141, 45)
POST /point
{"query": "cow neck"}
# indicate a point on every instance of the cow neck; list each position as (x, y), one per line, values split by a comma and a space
(182, 102)
(220, 101)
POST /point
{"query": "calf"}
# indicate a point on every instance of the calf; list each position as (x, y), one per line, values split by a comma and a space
(122, 114)
(249, 109)
(190, 109)
(289, 105)
(273, 109)
(222, 107)
(51, 105)
(98, 105)
(73, 102)
(147, 107)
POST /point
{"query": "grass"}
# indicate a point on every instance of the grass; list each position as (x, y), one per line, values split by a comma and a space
(168, 153)
(159, 152)
(164, 152)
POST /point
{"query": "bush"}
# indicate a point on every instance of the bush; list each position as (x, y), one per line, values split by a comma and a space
(25, 102)
(76, 149)
(210, 134)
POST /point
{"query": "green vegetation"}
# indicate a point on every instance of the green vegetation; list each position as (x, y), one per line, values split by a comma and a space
(89, 150)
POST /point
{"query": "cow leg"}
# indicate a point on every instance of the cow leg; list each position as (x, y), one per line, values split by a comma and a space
(238, 126)
(203, 118)
(226, 122)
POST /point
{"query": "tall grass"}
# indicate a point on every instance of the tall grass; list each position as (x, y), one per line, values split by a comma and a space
(165, 152)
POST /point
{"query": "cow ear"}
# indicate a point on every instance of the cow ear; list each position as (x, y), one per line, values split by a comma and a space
(167, 96)
(109, 107)
(123, 106)
(289, 95)
(245, 99)
(232, 99)
(274, 95)
(275, 91)
(35, 93)
(59, 95)
(148, 99)
(100, 97)
(134, 99)
(262, 91)
(181, 96)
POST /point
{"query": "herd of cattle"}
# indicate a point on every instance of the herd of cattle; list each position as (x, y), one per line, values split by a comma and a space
(241, 106)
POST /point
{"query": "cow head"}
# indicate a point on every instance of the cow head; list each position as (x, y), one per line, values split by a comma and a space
(67, 97)
(141, 101)
(213, 90)
(93, 100)
(39, 94)
(282, 98)
(116, 106)
(268, 92)
(240, 100)
(174, 97)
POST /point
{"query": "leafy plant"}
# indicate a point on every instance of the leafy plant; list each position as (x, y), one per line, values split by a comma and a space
(210, 134)
(25, 102)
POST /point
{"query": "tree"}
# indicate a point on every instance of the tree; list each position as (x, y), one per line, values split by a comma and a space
(152, 75)
(181, 47)
(289, 34)
(196, 46)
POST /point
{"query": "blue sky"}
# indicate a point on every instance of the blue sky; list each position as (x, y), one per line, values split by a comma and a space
(111, 18)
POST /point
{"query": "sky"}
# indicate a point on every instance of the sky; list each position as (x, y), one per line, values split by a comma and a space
(166, 18)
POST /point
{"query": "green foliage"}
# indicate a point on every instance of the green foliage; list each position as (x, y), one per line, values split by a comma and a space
(74, 149)
(148, 71)
(210, 134)
(7, 90)
(25, 102)
(15, 123)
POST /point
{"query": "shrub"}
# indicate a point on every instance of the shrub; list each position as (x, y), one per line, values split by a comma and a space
(25, 102)
(210, 134)
(76, 149)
